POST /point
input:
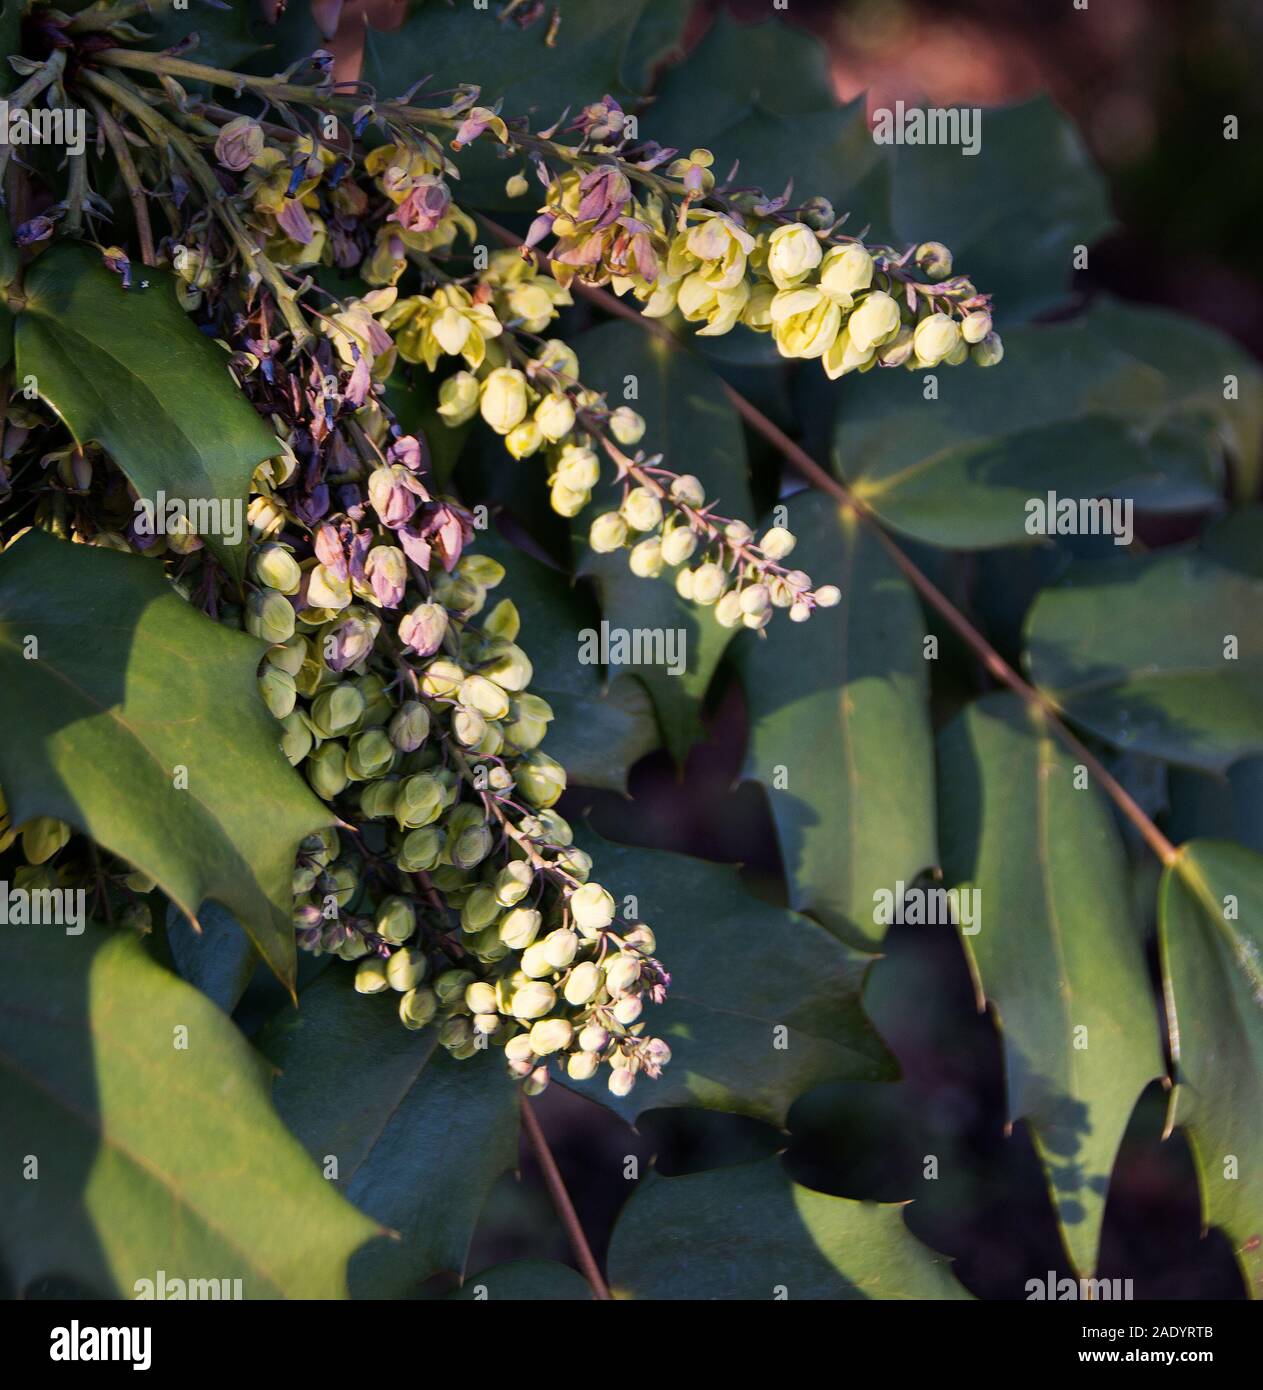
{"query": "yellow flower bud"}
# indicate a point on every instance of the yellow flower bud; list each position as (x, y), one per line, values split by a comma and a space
(793, 252)
(607, 533)
(642, 509)
(555, 416)
(876, 320)
(845, 271)
(934, 338)
(504, 400)
(626, 426)
(458, 399)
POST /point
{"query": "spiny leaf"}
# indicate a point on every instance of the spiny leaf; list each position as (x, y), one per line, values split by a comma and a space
(1210, 928)
(1117, 403)
(157, 1145)
(128, 369)
(763, 1003)
(1185, 686)
(419, 1138)
(748, 1232)
(1056, 949)
(142, 725)
(839, 727)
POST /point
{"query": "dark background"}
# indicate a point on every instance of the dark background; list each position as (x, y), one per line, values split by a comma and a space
(1138, 77)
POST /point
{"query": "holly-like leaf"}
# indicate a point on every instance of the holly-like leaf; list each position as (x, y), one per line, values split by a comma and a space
(526, 1281)
(1210, 931)
(839, 727)
(142, 724)
(693, 426)
(128, 369)
(763, 1003)
(598, 730)
(1054, 948)
(419, 1139)
(1076, 409)
(1013, 212)
(157, 1145)
(1184, 687)
(748, 1232)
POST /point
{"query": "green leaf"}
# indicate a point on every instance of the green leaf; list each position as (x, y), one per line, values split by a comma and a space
(1236, 540)
(126, 685)
(461, 44)
(419, 1138)
(1073, 409)
(762, 94)
(1055, 948)
(748, 1232)
(691, 423)
(1190, 368)
(226, 36)
(1210, 931)
(1227, 807)
(1013, 213)
(455, 44)
(1135, 650)
(530, 1281)
(128, 369)
(658, 34)
(599, 731)
(219, 960)
(839, 727)
(158, 1148)
(763, 1003)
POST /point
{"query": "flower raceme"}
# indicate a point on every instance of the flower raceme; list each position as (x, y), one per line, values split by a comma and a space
(452, 884)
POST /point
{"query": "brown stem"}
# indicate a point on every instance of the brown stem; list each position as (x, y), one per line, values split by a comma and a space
(993, 662)
(588, 1266)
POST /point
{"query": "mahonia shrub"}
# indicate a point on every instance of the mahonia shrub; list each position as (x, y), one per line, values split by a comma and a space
(449, 877)
(328, 273)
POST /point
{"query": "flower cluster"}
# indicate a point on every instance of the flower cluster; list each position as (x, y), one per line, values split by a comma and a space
(721, 258)
(451, 880)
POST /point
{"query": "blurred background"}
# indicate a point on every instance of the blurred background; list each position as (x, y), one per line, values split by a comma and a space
(1147, 82)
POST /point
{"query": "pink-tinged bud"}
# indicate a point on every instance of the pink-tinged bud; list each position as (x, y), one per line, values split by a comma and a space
(424, 628)
(239, 143)
(393, 493)
(387, 571)
(425, 206)
(347, 644)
